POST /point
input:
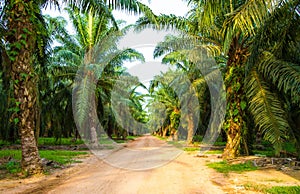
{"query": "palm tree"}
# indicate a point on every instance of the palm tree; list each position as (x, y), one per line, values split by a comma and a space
(175, 91)
(179, 52)
(25, 44)
(164, 121)
(93, 35)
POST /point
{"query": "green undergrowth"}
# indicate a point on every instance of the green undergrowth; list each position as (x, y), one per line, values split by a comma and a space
(283, 190)
(273, 190)
(52, 141)
(225, 167)
(60, 141)
(177, 144)
(10, 159)
(197, 149)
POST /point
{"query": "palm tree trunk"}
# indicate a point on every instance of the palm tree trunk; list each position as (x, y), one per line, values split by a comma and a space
(93, 112)
(165, 131)
(22, 41)
(38, 116)
(190, 132)
(235, 116)
(6, 128)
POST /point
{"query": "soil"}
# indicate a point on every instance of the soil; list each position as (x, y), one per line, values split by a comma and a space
(182, 173)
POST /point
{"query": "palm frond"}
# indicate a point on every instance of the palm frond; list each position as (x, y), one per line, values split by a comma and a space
(82, 97)
(127, 55)
(206, 12)
(278, 35)
(248, 16)
(285, 75)
(267, 110)
(162, 21)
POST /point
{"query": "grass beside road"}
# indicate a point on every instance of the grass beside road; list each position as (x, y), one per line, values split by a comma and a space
(225, 167)
(10, 159)
(273, 190)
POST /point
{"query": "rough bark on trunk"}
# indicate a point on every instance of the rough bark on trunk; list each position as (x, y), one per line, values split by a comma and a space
(38, 118)
(190, 132)
(22, 41)
(235, 115)
(8, 91)
(165, 131)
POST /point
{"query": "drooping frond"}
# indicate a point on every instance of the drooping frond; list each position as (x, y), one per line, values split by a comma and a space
(82, 97)
(279, 35)
(205, 12)
(127, 55)
(284, 75)
(267, 110)
(99, 7)
(162, 22)
(186, 44)
(249, 15)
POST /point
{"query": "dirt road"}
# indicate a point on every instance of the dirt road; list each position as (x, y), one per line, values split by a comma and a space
(143, 166)
(182, 174)
(146, 165)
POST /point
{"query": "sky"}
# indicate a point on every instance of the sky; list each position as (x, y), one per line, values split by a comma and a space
(146, 40)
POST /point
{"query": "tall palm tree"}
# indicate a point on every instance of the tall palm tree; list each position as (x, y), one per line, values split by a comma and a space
(164, 121)
(25, 43)
(93, 34)
(175, 91)
(197, 74)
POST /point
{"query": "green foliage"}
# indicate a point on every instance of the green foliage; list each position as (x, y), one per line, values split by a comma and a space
(225, 167)
(197, 138)
(283, 190)
(60, 156)
(274, 189)
(289, 147)
(197, 149)
(219, 143)
(59, 141)
(267, 153)
(130, 137)
(16, 154)
(255, 187)
(267, 111)
(214, 152)
(191, 149)
(12, 167)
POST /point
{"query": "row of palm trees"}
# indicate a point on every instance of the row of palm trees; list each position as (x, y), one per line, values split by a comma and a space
(258, 43)
(38, 81)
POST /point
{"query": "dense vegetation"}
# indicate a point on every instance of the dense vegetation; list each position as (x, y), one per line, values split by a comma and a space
(255, 45)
